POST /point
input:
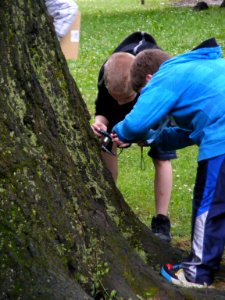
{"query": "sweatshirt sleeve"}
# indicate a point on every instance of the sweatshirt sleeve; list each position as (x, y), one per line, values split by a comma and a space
(174, 138)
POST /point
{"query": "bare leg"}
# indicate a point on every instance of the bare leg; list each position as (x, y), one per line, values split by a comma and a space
(163, 185)
(111, 162)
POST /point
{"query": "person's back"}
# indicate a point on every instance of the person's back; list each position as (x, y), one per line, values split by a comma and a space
(203, 72)
(193, 85)
(105, 104)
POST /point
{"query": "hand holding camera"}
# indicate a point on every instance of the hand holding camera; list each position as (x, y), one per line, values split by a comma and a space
(107, 141)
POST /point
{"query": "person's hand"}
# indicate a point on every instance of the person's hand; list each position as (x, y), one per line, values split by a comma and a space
(124, 145)
(98, 126)
(142, 144)
(120, 144)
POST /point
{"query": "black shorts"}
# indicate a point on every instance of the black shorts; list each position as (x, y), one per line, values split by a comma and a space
(160, 154)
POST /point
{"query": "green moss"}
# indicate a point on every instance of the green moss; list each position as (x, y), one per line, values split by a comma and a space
(151, 293)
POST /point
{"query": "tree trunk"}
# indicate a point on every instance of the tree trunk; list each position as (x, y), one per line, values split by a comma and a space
(66, 231)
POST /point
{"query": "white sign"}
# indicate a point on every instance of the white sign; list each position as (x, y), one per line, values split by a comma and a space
(75, 36)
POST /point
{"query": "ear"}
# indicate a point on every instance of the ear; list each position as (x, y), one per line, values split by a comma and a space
(148, 77)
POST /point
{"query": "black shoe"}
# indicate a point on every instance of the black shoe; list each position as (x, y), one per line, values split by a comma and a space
(160, 226)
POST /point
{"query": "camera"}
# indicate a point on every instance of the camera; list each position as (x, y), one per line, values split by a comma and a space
(107, 142)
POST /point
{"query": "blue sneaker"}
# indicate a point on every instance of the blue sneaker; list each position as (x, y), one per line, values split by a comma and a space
(175, 274)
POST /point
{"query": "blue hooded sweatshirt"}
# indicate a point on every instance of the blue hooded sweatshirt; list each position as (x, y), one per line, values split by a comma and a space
(190, 88)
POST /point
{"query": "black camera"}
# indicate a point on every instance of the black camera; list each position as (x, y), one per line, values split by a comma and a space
(107, 142)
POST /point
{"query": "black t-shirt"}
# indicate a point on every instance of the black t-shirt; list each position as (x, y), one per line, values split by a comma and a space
(105, 104)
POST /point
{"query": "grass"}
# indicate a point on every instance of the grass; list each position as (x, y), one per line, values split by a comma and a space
(104, 24)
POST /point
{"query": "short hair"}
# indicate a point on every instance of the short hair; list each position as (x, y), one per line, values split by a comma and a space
(117, 73)
(146, 62)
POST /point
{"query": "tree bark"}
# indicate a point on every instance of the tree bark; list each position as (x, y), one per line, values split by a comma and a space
(66, 231)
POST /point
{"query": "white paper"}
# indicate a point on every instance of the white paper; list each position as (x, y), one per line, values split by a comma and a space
(74, 36)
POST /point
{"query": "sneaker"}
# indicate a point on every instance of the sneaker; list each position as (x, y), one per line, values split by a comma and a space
(175, 274)
(160, 226)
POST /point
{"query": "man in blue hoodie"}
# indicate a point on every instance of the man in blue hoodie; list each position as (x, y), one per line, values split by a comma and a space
(190, 88)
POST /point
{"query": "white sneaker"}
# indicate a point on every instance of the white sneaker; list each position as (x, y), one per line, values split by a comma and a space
(175, 274)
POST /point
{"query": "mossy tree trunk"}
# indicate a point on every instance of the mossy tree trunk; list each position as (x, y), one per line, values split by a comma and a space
(65, 229)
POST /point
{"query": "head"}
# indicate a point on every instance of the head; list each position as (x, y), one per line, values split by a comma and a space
(145, 64)
(117, 77)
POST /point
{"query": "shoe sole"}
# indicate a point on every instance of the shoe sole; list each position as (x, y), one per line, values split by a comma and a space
(162, 237)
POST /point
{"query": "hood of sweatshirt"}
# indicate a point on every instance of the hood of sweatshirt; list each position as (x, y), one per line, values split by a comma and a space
(200, 53)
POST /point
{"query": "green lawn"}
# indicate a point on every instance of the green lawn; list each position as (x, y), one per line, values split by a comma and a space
(104, 24)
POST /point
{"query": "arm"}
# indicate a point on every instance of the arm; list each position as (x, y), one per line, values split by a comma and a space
(100, 123)
(104, 103)
(173, 138)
